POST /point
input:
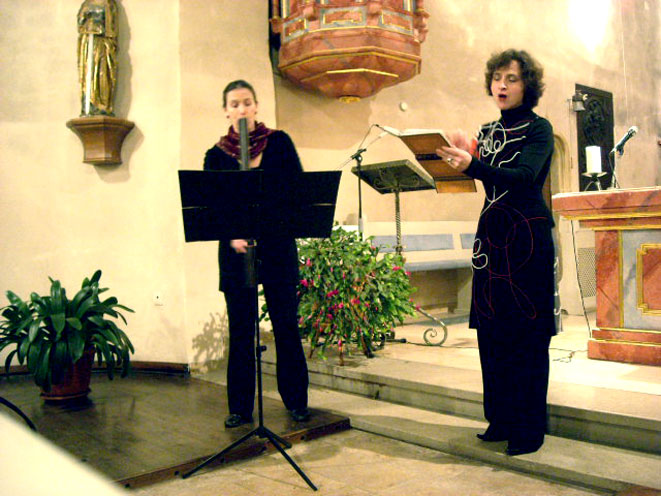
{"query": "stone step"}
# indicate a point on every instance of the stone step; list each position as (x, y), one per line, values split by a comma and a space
(572, 462)
(621, 419)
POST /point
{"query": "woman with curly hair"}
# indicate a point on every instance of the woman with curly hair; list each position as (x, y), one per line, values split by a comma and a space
(512, 305)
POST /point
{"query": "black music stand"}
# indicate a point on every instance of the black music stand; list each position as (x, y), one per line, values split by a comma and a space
(250, 205)
(396, 177)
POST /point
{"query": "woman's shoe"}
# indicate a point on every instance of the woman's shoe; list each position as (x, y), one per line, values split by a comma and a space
(515, 448)
(300, 414)
(235, 420)
(493, 435)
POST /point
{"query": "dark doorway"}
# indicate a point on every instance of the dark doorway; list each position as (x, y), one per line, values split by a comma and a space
(594, 127)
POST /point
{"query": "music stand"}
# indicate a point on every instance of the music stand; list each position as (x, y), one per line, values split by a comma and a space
(251, 205)
(395, 177)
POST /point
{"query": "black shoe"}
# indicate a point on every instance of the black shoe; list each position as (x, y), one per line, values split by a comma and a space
(300, 414)
(493, 435)
(235, 420)
(515, 448)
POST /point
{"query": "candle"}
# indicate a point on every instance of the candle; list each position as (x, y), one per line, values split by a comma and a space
(88, 72)
(593, 159)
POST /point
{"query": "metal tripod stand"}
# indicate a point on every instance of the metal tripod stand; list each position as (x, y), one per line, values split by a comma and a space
(261, 430)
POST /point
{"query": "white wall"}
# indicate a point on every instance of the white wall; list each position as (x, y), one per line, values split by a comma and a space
(64, 218)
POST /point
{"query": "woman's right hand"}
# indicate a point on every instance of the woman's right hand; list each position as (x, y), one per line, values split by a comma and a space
(239, 245)
(459, 139)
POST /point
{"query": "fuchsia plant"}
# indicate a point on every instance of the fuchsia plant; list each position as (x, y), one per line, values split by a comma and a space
(349, 293)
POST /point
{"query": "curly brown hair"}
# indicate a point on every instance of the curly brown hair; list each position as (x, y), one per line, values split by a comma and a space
(532, 73)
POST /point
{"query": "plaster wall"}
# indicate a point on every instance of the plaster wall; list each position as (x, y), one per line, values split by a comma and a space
(611, 45)
(64, 218)
(220, 42)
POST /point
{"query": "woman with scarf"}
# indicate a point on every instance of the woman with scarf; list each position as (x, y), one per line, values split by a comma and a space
(512, 304)
(277, 260)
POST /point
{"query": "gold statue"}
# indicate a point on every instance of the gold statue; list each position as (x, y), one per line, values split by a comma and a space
(97, 56)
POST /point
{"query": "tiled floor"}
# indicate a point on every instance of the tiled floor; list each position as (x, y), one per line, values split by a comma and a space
(355, 463)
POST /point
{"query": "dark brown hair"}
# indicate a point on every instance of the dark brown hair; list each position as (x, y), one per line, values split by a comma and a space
(235, 85)
(532, 73)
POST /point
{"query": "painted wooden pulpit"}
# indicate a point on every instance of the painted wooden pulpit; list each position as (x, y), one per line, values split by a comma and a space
(627, 226)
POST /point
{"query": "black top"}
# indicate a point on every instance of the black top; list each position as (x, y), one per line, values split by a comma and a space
(513, 254)
(277, 256)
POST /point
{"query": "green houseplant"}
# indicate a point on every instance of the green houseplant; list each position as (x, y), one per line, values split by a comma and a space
(349, 293)
(50, 333)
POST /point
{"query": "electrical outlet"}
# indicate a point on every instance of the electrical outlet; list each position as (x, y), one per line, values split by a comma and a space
(158, 299)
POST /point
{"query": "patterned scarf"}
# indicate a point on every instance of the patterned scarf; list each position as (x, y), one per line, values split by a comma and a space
(230, 143)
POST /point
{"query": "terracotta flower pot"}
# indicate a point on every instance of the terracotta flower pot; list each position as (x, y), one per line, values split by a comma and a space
(76, 382)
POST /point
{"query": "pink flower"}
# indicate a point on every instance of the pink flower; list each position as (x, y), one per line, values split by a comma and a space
(408, 273)
(304, 282)
(329, 316)
(396, 267)
(308, 262)
(340, 305)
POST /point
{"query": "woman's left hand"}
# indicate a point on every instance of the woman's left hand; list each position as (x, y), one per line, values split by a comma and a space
(457, 158)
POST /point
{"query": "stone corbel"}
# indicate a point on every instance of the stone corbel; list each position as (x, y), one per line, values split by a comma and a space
(102, 137)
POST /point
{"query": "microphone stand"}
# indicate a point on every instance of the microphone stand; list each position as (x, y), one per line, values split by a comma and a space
(251, 281)
(611, 160)
(358, 157)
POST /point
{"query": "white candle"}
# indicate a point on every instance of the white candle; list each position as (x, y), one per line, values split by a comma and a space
(593, 159)
(88, 72)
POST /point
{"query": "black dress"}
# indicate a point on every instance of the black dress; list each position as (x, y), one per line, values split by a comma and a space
(512, 304)
(277, 268)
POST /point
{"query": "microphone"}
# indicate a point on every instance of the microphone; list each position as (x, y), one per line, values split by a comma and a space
(249, 259)
(620, 144)
(389, 130)
(244, 143)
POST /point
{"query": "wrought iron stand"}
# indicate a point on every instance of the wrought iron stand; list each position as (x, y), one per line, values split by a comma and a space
(395, 177)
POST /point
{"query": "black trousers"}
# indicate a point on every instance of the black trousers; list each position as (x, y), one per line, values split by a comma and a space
(292, 370)
(515, 378)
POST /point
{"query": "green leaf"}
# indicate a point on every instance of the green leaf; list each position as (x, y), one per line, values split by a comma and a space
(84, 306)
(59, 321)
(59, 361)
(34, 330)
(76, 345)
(23, 349)
(9, 359)
(42, 371)
(14, 299)
(108, 356)
(75, 323)
(96, 277)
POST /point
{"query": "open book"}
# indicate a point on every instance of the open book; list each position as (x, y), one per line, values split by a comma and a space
(423, 143)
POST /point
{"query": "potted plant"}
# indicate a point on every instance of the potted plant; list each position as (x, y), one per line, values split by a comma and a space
(55, 336)
(349, 293)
